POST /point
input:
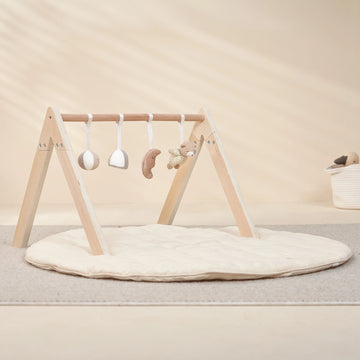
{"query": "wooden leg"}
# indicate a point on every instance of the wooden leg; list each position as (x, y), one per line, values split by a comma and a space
(207, 132)
(82, 202)
(178, 186)
(54, 135)
(229, 185)
(33, 191)
(77, 187)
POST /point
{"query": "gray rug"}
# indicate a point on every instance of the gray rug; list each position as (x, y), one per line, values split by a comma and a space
(23, 284)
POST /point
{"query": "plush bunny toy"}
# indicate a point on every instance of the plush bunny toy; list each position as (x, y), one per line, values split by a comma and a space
(179, 155)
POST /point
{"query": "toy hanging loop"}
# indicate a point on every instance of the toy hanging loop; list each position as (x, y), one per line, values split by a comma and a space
(119, 126)
(150, 130)
(181, 128)
(87, 128)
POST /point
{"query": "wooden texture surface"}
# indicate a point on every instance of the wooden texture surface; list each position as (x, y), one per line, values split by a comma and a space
(78, 190)
(35, 184)
(178, 185)
(131, 117)
(206, 132)
(55, 133)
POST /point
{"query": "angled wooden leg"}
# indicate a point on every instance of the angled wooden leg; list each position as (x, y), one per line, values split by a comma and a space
(35, 184)
(205, 131)
(230, 187)
(227, 179)
(77, 187)
(178, 186)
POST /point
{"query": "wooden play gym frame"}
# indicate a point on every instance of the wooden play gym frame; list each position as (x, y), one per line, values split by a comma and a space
(53, 135)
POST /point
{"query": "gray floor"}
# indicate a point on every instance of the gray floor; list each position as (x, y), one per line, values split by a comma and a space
(22, 284)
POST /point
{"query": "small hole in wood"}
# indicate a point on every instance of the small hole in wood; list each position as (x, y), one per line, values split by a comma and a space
(50, 117)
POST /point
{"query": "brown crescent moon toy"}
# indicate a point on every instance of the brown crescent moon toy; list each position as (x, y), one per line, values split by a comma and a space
(149, 159)
(149, 162)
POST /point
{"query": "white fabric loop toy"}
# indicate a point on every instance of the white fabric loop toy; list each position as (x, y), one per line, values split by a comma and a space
(119, 157)
(88, 160)
(149, 159)
(150, 130)
(181, 128)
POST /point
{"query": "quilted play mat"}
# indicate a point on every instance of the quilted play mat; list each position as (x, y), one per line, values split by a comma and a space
(173, 253)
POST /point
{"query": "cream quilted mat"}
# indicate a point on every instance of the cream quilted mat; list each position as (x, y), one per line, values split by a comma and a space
(173, 253)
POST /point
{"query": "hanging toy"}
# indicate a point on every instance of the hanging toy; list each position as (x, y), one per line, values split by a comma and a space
(149, 159)
(88, 160)
(178, 156)
(119, 157)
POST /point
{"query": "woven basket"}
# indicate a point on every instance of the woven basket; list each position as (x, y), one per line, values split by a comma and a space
(345, 182)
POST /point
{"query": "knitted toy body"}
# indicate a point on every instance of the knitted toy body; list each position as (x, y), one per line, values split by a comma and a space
(176, 159)
(178, 156)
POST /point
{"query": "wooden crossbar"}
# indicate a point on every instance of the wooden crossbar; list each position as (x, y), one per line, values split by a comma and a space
(132, 117)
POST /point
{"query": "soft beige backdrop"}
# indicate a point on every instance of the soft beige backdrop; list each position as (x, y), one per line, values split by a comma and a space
(281, 78)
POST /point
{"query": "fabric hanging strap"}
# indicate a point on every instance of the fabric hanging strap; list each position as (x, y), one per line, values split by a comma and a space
(150, 130)
(87, 128)
(119, 126)
(181, 128)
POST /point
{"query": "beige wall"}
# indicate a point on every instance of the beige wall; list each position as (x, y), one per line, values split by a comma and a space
(281, 78)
